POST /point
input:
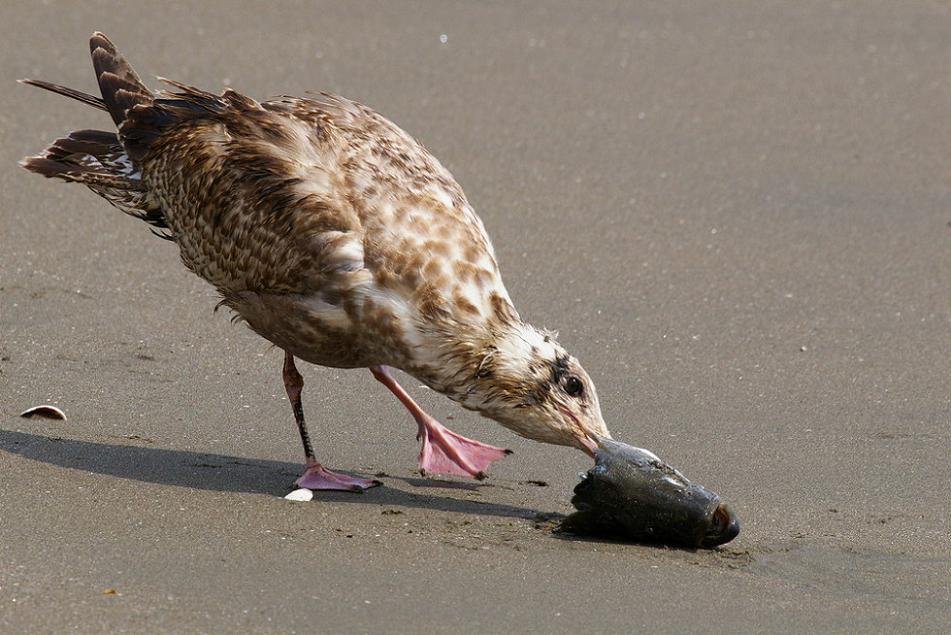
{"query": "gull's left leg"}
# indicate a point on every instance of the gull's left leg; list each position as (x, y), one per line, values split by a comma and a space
(443, 451)
(315, 476)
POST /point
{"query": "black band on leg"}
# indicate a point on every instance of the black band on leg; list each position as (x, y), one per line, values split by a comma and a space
(294, 385)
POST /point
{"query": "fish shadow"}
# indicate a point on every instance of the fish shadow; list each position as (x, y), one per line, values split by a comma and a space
(223, 473)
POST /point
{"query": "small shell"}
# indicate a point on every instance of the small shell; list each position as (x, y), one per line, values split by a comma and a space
(47, 412)
(302, 494)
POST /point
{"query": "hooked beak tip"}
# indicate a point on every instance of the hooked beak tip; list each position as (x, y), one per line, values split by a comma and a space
(589, 444)
(600, 441)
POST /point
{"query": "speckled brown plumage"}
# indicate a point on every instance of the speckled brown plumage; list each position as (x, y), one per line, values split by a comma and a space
(333, 234)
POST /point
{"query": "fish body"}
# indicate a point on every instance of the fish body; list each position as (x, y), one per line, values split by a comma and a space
(630, 494)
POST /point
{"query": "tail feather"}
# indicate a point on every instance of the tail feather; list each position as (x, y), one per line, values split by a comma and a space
(97, 143)
(86, 98)
(119, 83)
(96, 158)
(86, 152)
(50, 168)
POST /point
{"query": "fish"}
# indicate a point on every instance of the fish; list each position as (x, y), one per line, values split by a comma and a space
(631, 495)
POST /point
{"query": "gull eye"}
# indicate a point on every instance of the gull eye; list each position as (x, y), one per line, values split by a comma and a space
(573, 386)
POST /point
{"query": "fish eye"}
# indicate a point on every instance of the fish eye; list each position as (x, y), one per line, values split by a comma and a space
(573, 386)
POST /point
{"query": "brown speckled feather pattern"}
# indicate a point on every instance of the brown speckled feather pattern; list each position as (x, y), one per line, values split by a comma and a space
(332, 232)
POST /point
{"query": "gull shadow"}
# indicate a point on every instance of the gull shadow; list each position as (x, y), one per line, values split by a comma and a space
(438, 482)
(221, 473)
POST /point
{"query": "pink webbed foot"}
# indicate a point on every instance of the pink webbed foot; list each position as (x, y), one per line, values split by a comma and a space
(446, 452)
(316, 476)
(443, 451)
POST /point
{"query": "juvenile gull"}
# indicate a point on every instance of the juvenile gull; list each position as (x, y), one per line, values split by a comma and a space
(337, 237)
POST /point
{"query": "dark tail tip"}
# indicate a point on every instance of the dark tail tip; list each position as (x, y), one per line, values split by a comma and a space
(44, 166)
(119, 83)
(92, 100)
(99, 40)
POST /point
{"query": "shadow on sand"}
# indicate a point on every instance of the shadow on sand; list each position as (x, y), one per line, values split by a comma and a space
(217, 472)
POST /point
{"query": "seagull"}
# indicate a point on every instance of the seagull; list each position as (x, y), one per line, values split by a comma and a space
(337, 237)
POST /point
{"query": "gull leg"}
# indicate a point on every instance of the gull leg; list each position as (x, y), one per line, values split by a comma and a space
(443, 451)
(315, 476)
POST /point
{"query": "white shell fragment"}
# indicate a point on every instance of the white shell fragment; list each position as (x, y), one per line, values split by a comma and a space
(46, 411)
(302, 494)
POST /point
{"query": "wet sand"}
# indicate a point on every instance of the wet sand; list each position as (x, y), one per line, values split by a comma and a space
(736, 214)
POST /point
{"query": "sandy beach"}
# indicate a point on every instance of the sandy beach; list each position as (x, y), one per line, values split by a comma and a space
(736, 214)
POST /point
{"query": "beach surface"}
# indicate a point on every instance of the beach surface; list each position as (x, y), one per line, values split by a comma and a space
(737, 215)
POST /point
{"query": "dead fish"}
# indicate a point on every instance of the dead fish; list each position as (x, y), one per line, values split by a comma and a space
(632, 495)
(46, 411)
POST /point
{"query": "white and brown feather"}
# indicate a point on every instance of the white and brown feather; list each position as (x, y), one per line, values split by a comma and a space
(332, 232)
(327, 228)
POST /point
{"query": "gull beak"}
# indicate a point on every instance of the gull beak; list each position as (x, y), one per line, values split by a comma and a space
(590, 442)
(587, 441)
